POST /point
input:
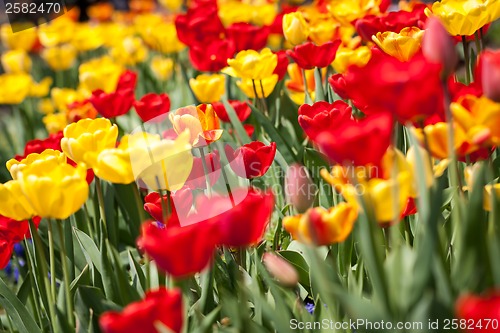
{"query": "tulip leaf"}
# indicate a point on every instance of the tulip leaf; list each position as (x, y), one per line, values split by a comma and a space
(16, 310)
(235, 121)
(90, 250)
(300, 265)
(138, 276)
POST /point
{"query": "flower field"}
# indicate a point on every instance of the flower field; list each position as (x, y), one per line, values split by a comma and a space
(252, 166)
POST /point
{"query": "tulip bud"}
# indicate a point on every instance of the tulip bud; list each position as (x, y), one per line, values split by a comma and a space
(281, 269)
(438, 46)
(16, 61)
(489, 65)
(295, 28)
(299, 188)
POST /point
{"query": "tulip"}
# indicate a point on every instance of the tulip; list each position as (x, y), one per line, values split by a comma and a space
(201, 121)
(300, 190)
(13, 203)
(161, 164)
(296, 85)
(353, 141)
(179, 251)
(87, 138)
(212, 57)
(322, 31)
(252, 65)
(55, 122)
(346, 57)
(17, 37)
(40, 89)
(127, 80)
(323, 116)
(45, 106)
(247, 36)
(62, 97)
(162, 67)
(161, 307)
(263, 87)
(320, 226)
(99, 73)
(295, 28)
(282, 65)
(347, 11)
(479, 309)
(461, 18)
(208, 88)
(80, 110)
(242, 110)
(60, 58)
(54, 190)
(180, 203)
(130, 52)
(308, 55)
(87, 37)
(14, 88)
(488, 74)
(16, 61)
(201, 25)
(198, 175)
(152, 106)
(402, 45)
(281, 269)
(491, 196)
(162, 37)
(438, 46)
(56, 32)
(114, 104)
(15, 166)
(252, 159)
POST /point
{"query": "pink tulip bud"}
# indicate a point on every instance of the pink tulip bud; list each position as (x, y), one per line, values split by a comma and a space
(489, 66)
(438, 46)
(299, 188)
(281, 269)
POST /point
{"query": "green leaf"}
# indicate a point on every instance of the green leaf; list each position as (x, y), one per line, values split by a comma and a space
(300, 265)
(17, 311)
(90, 250)
(235, 121)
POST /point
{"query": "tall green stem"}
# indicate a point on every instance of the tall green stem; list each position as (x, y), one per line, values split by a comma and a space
(52, 262)
(69, 301)
(102, 212)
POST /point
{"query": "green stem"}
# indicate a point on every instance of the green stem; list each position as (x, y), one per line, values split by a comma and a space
(52, 262)
(205, 171)
(465, 45)
(100, 199)
(69, 301)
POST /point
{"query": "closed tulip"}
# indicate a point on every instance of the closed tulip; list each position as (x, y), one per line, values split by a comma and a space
(320, 226)
(309, 55)
(24, 37)
(323, 116)
(208, 88)
(295, 28)
(87, 138)
(281, 269)
(300, 190)
(16, 61)
(14, 88)
(488, 74)
(491, 196)
(60, 58)
(114, 104)
(162, 67)
(438, 46)
(152, 106)
(99, 73)
(251, 160)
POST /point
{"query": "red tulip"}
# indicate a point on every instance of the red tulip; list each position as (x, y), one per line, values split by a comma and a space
(277, 26)
(358, 142)
(282, 66)
(416, 83)
(211, 57)
(152, 105)
(180, 251)
(241, 109)
(458, 89)
(251, 160)
(480, 309)
(309, 55)
(488, 73)
(322, 116)
(200, 25)
(180, 204)
(12, 232)
(197, 179)
(439, 47)
(410, 209)
(160, 306)
(392, 21)
(247, 36)
(113, 104)
(127, 80)
(240, 219)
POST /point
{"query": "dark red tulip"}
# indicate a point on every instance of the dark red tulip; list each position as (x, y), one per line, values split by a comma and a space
(247, 36)
(159, 306)
(113, 104)
(211, 57)
(309, 55)
(251, 160)
(152, 105)
(200, 25)
(322, 116)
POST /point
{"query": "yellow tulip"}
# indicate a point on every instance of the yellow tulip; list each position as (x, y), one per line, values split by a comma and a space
(437, 138)
(60, 58)
(86, 138)
(295, 85)
(295, 28)
(130, 51)
(208, 88)
(491, 192)
(62, 97)
(56, 32)
(346, 11)
(55, 122)
(113, 33)
(161, 37)
(346, 57)
(402, 45)
(250, 64)
(13, 203)
(45, 106)
(14, 166)
(480, 120)
(263, 14)
(322, 31)
(54, 190)
(264, 87)
(494, 8)
(113, 165)
(87, 37)
(161, 164)
(23, 39)
(42, 88)
(462, 17)
(234, 12)
(162, 67)
(16, 61)
(172, 5)
(201, 122)
(100, 73)
(322, 227)
(14, 88)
